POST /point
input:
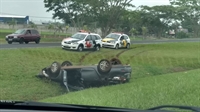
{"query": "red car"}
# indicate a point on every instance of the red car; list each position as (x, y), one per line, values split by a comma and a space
(24, 35)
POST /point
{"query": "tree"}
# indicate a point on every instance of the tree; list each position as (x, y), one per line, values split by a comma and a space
(32, 25)
(13, 22)
(144, 32)
(106, 12)
(188, 12)
(66, 10)
(157, 18)
(133, 32)
(58, 27)
(50, 27)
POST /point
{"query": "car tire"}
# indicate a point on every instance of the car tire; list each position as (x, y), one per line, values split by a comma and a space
(54, 69)
(104, 66)
(115, 61)
(127, 46)
(80, 48)
(97, 48)
(9, 42)
(21, 40)
(37, 41)
(26, 42)
(117, 46)
(66, 63)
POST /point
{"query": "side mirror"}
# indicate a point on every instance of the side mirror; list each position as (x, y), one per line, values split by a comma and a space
(86, 39)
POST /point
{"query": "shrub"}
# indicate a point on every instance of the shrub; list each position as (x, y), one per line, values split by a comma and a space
(182, 35)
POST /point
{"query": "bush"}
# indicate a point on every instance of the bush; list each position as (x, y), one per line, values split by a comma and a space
(182, 35)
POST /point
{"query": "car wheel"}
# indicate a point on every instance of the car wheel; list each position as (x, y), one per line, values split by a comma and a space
(9, 42)
(128, 46)
(115, 61)
(117, 46)
(80, 48)
(37, 41)
(66, 63)
(104, 66)
(97, 48)
(21, 40)
(26, 42)
(54, 69)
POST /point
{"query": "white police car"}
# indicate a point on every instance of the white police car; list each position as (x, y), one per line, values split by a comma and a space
(82, 40)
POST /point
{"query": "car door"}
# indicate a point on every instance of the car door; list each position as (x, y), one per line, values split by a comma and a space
(94, 40)
(27, 35)
(121, 39)
(127, 39)
(88, 42)
(98, 40)
(33, 35)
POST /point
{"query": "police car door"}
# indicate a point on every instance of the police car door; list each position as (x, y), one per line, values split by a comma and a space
(88, 42)
(94, 40)
(127, 40)
(121, 41)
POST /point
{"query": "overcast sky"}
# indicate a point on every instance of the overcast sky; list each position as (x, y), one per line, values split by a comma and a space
(37, 12)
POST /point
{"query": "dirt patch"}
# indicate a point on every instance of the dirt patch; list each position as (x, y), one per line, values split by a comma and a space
(110, 57)
(177, 69)
(128, 61)
(87, 54)
(117, 56)
(84, 56)
(120, 53)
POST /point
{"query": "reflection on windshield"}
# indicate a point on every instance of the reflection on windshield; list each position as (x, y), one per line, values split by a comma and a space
(114, 36)
(79, 36)
(19, 31)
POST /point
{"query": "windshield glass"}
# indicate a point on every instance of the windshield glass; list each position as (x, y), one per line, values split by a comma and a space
(113, 36)
(78, 36)
(120, 53)
(20, 31)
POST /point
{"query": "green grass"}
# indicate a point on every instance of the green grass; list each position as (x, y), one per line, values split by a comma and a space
(19, 66)
(170, 89)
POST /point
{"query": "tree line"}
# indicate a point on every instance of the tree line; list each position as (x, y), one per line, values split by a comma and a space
(122, 15)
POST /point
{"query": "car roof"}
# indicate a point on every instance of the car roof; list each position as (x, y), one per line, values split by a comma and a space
(119, 33)
(87, 33)
(27, 29)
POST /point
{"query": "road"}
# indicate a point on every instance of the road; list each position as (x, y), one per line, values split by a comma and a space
(33, 45)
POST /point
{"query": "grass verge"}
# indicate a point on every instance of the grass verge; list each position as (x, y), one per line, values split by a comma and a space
(171, 89)
(19, 66)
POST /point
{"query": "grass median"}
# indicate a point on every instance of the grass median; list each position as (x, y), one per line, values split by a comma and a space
(19, 66)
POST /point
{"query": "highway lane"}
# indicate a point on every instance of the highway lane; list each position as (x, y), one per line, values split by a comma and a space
(33, 45)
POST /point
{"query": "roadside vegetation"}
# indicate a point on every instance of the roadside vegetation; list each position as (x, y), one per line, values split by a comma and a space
(152, 82)
(170, 89)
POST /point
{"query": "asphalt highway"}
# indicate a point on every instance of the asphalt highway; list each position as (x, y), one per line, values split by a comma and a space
(33, 45)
